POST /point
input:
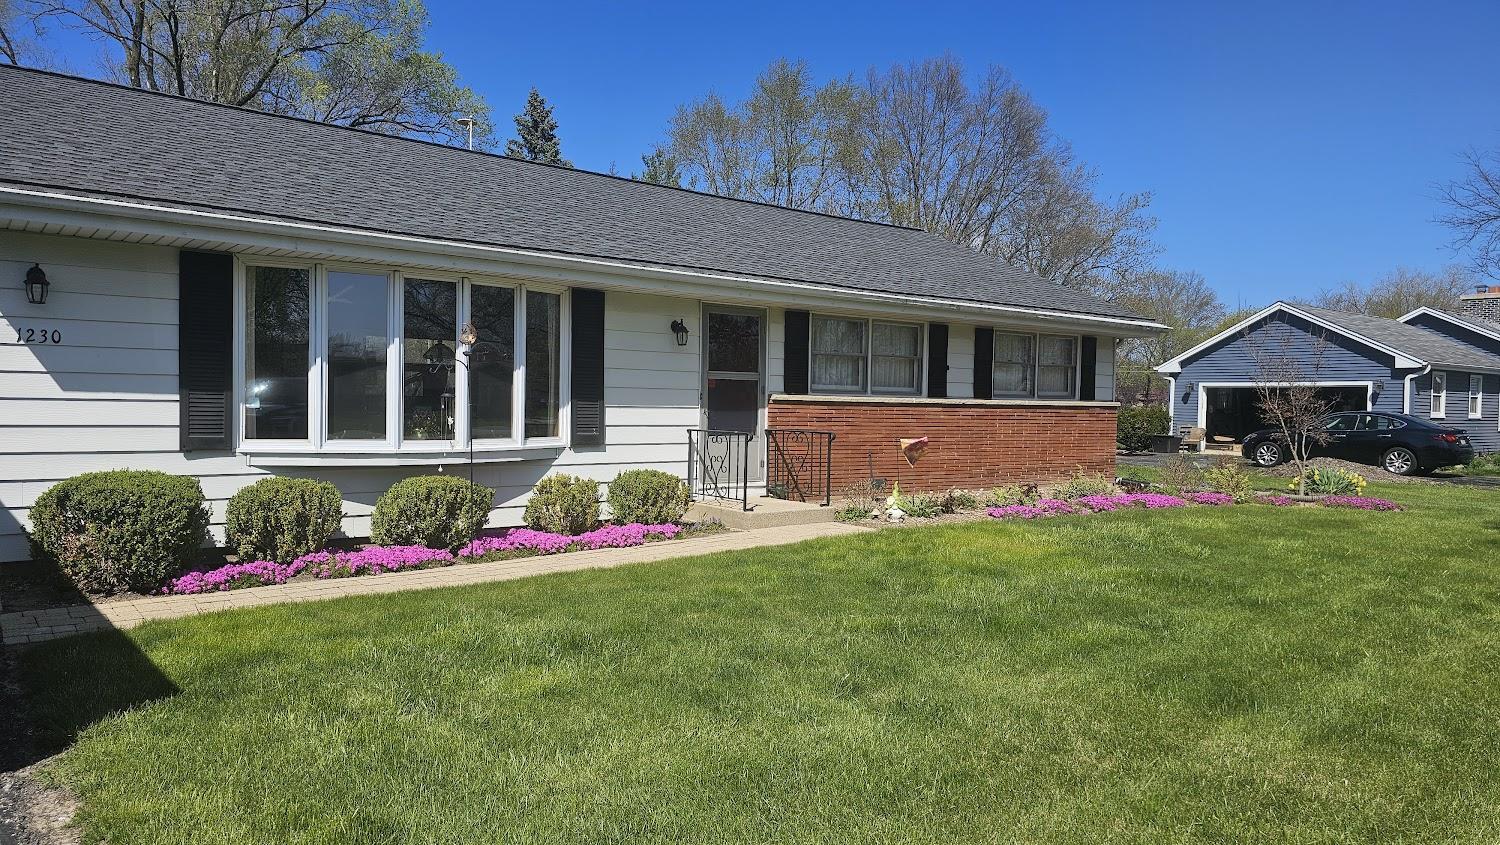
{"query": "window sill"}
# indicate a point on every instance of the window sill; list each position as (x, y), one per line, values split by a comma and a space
(389, 457)
(823, 398)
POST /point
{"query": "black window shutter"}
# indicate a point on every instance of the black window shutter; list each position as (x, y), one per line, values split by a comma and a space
(937, 360)
(984, 359)
(588, 367)
(1087, 366)
(797, 328)
(205, 354)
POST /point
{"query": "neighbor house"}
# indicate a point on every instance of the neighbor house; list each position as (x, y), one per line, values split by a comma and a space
(224, 293)
(1428, 363)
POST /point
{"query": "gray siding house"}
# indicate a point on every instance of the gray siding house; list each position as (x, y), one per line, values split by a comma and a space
(1428, 364)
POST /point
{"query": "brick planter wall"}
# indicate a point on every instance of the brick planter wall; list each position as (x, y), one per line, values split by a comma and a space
(974, 443)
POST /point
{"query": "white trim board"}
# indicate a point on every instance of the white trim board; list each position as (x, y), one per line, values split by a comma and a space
(1402, 360)
(129, 216)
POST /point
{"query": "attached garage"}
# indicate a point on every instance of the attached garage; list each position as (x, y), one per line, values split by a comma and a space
(1231, 412)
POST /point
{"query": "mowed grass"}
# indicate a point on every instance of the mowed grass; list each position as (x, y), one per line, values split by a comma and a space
(1204, 675)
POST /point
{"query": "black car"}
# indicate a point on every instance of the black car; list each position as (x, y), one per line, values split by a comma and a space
(1398, 443)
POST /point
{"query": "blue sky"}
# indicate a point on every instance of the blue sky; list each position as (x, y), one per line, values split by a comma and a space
(1289, 147)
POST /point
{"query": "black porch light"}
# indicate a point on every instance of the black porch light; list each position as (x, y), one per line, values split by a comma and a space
(680, 329)
(36, 285)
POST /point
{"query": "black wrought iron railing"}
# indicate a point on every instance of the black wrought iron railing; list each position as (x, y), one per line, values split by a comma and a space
(719, 465)
(799, 464)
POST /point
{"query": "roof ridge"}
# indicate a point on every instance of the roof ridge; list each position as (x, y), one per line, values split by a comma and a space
(104, 83)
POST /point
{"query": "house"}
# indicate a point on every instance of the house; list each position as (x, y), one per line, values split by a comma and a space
(1427, 363)
(231, 294)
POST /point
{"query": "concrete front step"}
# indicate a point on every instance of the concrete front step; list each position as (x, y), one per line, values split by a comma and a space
(765, 512)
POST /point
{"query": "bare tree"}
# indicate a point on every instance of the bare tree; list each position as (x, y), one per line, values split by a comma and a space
(1399, 292)
(354, 62)
(1284, 375)
(1180, 299)
(17, 36)
(1474, 211)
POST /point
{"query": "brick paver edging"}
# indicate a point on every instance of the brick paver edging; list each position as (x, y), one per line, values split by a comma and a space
(32, 626)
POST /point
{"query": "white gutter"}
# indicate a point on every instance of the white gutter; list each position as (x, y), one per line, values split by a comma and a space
(1406, 388)
(70, 202)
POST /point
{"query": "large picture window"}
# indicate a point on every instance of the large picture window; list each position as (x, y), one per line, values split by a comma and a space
(358, 341)
(372, 361)
(277, 347)
(1034, 366)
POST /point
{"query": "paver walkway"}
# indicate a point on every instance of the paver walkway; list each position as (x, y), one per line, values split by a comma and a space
(37, 625)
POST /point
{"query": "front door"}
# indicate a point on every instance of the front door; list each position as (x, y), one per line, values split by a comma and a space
(733, 387)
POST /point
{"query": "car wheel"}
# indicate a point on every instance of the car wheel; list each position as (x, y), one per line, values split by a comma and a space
(1400, 461)
(1267, 454)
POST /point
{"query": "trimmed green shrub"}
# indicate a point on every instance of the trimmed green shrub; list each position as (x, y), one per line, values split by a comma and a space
(647, 496)
(1137, 424)
(282, 519)
(436, 511)
(121, 529)
(563, 504)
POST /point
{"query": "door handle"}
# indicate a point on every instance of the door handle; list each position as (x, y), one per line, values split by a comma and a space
(1386, 436)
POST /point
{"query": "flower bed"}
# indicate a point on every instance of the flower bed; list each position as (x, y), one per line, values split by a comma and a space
(1155, 501)
(374, 560)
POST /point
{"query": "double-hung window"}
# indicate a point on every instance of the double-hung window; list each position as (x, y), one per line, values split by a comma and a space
(1439, 395)
(850, 353)
(371, 360)
(1034, 366)
(1476, 396)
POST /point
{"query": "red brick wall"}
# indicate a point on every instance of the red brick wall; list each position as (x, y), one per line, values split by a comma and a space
(972, 444)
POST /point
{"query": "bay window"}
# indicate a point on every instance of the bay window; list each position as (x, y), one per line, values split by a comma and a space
(370, 361)
(1034, 366)
(277, 352)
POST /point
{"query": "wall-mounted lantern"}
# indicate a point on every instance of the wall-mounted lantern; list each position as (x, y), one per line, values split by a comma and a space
(680, 329)
(36, 285)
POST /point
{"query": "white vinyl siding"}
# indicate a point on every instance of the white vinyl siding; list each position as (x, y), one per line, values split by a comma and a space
(107, 397)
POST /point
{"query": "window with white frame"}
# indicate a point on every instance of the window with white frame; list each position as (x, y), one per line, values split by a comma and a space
(1439, 395)
(849, 353)
(1034, 366)
(371, 359)
(1476, 396)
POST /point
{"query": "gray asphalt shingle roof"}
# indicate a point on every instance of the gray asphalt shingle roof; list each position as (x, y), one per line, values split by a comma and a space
(1419, 343)
(81, 136)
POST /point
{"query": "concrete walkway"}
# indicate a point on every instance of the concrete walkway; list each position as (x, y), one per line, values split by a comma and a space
(33, 626)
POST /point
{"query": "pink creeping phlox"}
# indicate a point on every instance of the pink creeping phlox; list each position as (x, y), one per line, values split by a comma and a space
(1043, 507)
(256, 573)
(545, 542)
(374, 560)
(1364, 503)
(1215, 499)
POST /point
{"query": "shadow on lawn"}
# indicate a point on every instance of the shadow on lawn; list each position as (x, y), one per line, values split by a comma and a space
(61, 687)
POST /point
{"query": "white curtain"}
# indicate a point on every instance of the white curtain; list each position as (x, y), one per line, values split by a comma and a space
(896, 352)
(1013, 364)
(1055, 370)
(838, 359)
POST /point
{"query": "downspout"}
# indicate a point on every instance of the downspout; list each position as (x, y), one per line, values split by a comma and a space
(1171, 404)
(1406, 388)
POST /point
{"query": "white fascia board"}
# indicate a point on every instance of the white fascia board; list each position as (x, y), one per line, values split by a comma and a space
(24, 204)
(1451, 320)
(1401, 360)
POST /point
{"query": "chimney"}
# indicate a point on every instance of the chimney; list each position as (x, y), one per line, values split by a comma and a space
(1483, 303)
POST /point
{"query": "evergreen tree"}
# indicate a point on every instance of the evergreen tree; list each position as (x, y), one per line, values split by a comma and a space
(661, 168)
(536, 132)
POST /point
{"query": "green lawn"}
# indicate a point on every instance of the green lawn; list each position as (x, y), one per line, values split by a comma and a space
(1204, 675)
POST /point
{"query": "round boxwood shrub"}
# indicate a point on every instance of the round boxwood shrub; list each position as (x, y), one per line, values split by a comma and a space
(281, 519)
(647, 496)
(563, 504)
(436, 511)
(121, 529)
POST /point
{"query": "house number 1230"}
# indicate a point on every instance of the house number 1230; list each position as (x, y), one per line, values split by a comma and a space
(38, 336)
